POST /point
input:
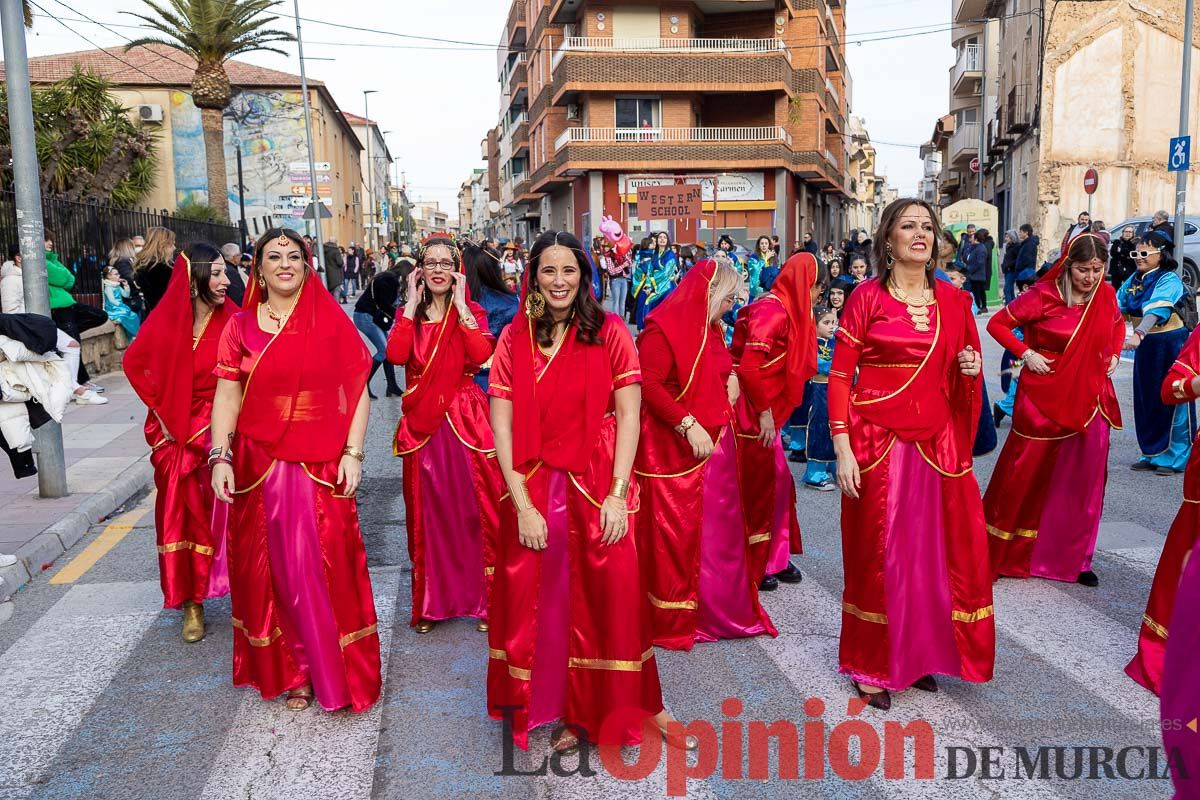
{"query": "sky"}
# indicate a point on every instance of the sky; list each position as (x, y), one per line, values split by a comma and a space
(438, 99)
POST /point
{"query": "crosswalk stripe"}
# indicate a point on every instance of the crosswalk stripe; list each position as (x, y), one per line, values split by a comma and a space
(1089, 647)
(1140, 559)
(812, 670)
(273, 753)
(55, 672)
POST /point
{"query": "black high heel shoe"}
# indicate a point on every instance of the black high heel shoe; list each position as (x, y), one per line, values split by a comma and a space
(926, 684)
(881, 699)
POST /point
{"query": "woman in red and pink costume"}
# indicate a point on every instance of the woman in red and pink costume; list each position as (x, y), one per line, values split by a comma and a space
(452, 485)
(918, 594)
(693, 545)
(289, 422)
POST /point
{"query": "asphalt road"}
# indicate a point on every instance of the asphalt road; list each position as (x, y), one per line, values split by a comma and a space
(101, 699)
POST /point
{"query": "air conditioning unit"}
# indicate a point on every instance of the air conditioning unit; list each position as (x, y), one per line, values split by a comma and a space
(150, 113)
(574, 112)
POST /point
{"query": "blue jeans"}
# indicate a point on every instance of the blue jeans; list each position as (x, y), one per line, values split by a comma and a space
(618, 292)
(347, 282)
(374, 334)
(1010, 287)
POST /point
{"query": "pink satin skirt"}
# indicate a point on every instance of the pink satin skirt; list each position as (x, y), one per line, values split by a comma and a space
(548, 682)
(779, 553)
(453, 533)
(1066, 539)
(298, 578)
(916, 577)
(726, 610)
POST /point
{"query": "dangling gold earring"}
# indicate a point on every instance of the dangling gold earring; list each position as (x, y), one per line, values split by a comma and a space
(888, 257)
(535, 305)
(261, 283)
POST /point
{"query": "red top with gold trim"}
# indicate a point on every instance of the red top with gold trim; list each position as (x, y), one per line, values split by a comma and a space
(439, 360)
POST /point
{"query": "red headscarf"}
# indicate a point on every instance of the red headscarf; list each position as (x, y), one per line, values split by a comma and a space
(1067, 395)
(301, 396)
(793, 287)
(424, 404)
(557, 419)
(155, 361)
(683, 320)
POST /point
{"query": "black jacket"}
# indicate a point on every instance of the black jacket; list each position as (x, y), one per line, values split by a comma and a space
(379, 299)
(1009, 263)
(237, 285)
(152, 280)
(1027, 255)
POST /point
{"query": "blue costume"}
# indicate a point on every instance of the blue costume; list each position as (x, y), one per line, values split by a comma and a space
(1164, 432)
(1009, 400)
(654, 276)
(821, 460)
(117, 309)
(757, 272)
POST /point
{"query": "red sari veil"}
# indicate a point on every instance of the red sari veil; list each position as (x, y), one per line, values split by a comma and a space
(683, 320)
(793, 287)
(155, 361)
(557, 414)
(300, 397)
(1067, 395)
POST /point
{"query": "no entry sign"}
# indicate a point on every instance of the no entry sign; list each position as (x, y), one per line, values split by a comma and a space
(682, 201)
(1091, 180)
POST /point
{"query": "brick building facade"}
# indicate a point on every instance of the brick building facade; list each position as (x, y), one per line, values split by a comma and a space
(597, 97)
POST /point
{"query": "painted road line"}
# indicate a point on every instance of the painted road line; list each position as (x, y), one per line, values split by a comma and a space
(109, 538)
(272, 753)
(1089, 647)
(56, 671)
(810, 662)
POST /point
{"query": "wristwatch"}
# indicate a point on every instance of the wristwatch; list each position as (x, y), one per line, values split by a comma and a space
(686, 425)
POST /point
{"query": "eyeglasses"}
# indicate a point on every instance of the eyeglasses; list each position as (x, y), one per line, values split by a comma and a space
(440, 266)
(1146, 253)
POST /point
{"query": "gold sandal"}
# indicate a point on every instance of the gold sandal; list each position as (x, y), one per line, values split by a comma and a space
(299, 698)
(424, 626)
(481, 626)
(566, 743)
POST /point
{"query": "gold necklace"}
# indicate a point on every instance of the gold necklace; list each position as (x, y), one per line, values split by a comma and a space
(918, 311)
(276, 317)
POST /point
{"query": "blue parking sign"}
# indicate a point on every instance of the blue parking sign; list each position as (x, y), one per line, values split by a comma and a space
(1180, 157)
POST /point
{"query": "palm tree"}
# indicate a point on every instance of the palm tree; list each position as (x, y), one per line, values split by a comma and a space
(212, 32)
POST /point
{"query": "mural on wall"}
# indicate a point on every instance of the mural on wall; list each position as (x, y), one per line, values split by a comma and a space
(187, 146)
(268, 128)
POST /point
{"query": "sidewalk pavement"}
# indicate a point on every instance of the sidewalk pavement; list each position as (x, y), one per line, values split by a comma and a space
(107, 463)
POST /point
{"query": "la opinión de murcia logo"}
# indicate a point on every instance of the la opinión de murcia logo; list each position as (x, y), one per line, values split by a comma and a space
(853, 750)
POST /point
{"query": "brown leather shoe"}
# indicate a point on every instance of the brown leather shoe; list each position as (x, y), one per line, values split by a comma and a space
(193, 622)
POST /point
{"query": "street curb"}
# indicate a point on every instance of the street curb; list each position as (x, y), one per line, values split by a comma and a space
(41, 551)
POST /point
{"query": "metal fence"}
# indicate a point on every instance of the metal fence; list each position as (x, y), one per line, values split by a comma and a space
(85, 232)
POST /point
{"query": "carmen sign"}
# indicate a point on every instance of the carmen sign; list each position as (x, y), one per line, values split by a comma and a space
(681, 201)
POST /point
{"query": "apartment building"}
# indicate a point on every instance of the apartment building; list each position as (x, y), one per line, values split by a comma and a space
(960, 135)
(748, 97)
(376, 169)
(1094, 84)
(265, 121)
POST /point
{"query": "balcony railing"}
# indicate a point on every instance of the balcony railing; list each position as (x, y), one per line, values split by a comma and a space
(965, 140)
(969, 60)
(656, 44)
(512, 184)
(507, 75)
(837, 100)
(771, 133)
(1018, 110)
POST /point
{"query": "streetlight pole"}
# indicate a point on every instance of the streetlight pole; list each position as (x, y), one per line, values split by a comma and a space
(1184, 112)
(31, 232)
(372, 239)
(312, 160)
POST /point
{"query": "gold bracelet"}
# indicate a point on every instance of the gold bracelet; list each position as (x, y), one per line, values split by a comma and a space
(619, 488)
(525, 498)
(354, 453)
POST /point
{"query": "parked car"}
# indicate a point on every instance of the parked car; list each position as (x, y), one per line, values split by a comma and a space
(1189, 259)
